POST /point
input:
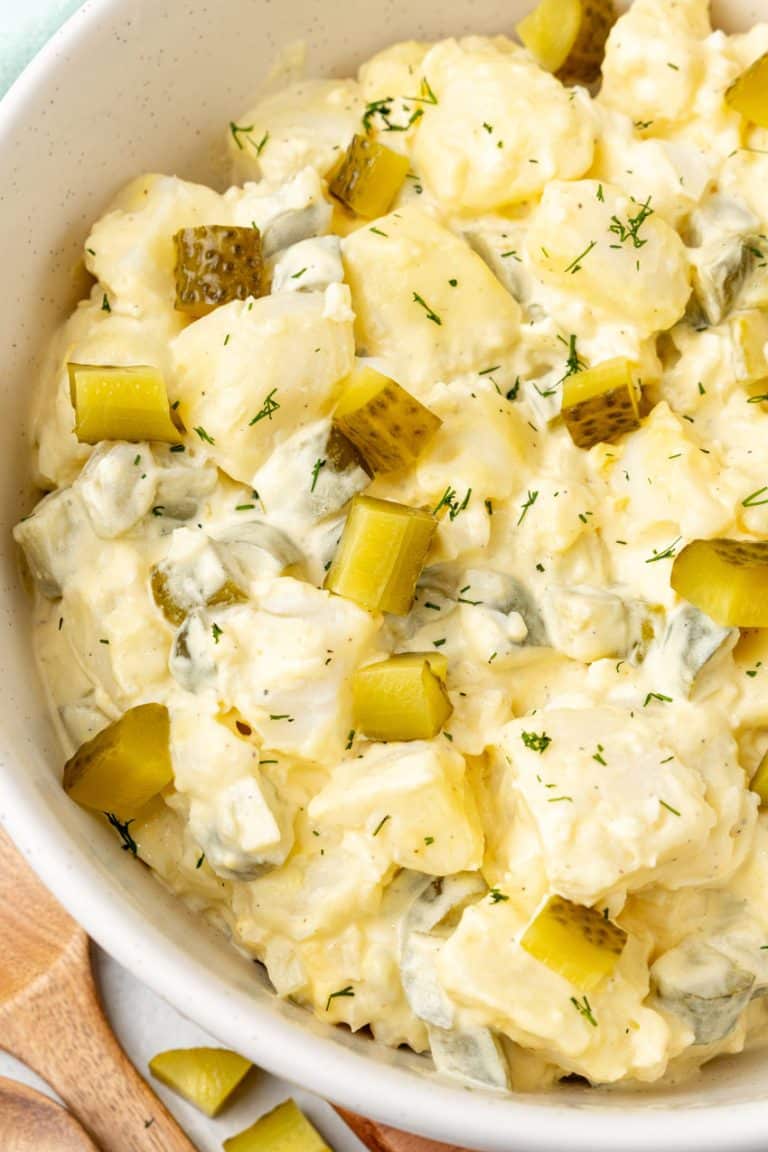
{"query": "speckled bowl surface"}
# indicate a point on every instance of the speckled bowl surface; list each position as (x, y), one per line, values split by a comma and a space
(136, 85)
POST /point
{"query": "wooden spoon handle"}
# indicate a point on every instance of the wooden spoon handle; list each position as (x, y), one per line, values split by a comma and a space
(382, 1138)
(60, 1030)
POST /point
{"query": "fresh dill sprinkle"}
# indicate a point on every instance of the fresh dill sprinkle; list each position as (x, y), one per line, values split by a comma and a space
(631, 230)
(669, 807)
(674, 67)
(514, 254)
(536, 741)
(200, 860)
(316, 471)
(348, 991)
(453, 283)
(489, 507)
(513, 391)
(429, 840)
(657, 696)
(666, 554)
(204, 435)
(752, 672)
(61, 623)
(641, 125)
(575, 265)
(487, 371)
(217, 633)
(123, 829)
(379, 232)
(105, 305)
(282, 716)
(757, 399)
(753, 501)
(573, 363)
(269, 406)
(245, 130)
(584, 516)
(559, 799)
(497, 897)
(350, 740)
(438, 643)
(137, 460)
(426, 95)
(431, 315)
(450, 500)
(178, 448)
(271, 762)
(90, 251)
(529, 503)
(600, 194)
(298, 274)
(244, 507)
(158, 510)
(434, 607)
(599, 756)
(492, 657)
(584, 1009)
(381, 824)
(226, 339)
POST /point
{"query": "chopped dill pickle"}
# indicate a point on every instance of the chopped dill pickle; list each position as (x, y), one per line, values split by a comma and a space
(575, 941)
(381, 555)
(600, 403)
(402, 698)
(369, 177)
(749, 93)
(387, 425)
(206, 1077)
(176, 607)
(120, 403)
(568, 37)
(125, 765)
(759, 781)
(284, 1129)
(215, 264)
(726, 579)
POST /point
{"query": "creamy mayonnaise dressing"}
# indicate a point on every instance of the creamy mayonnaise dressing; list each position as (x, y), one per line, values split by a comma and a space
(548, 584)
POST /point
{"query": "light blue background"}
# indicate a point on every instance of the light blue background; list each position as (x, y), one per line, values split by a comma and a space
(25, 25)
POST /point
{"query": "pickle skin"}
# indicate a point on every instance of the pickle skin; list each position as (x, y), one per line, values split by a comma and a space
(176, 613)
(568, 37)
(125, 765)
(383, 549)
(600, 403)
(369, 177)
(575, 941)
(216, 264)
(748, 94)
(726, 579)
(388, 426)
(402, 698)
(120, 403)
(284, 1129)
(206, 1077)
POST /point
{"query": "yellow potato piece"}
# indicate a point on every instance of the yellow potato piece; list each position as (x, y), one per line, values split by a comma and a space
(369, 177)
(568, 37)
(600, 403)
(381, 555)
(113, 403)
(284, 1129)
(388, 426)
(749, 93)
(402, 698)
(575, 941)
(121, 768)
(726, 579)
(206, 1077)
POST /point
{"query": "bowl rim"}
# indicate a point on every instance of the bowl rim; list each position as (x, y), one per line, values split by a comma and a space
(395, 1096)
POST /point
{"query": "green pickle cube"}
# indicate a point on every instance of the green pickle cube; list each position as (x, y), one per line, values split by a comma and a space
(748, 94)
(120, 403)
(568, 37)
(125, 765)
(575, 941)
(387, 425)
(600, 403)
(382, 552)
(402, 698)
(369, 177)
(726, 579)
(176, 610)
(284, 1129)
(215, 264)
(206, 1077)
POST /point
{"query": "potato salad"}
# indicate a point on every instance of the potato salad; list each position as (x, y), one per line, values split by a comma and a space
(401, 579)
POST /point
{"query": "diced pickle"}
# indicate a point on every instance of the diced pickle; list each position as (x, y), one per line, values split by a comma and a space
(749, 340)
(120, 403)
(381, 555)
(215, 264)
(726, 579)
(600, 403)
(402, 698)
(284, 1129)
(176, 609)
(206, 1077)
(759, 783)
(704, 987)
(575, 941)
(749, 93)
(369, 177)
(387, 425)
(568, 37)
(125, 765)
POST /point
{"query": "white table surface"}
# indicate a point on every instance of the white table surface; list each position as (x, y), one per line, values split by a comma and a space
(143, 1023)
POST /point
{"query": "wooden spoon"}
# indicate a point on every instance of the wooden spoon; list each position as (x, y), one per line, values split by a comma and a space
(51, 1019)
(382, 1138)
(30, 1122)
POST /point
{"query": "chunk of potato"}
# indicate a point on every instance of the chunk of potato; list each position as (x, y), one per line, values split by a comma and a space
(576, 941)
(387, 425)
(284, 1129)
(120, 403)
(369, 178)
(206, 1077)
(748, 94)
(402, 698)
(123, 767)
(726, 579)
(600, 403)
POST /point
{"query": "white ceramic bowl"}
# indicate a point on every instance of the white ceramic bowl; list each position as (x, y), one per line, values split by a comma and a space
(134, 85)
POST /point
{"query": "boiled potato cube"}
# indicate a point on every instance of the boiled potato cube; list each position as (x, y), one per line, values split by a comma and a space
(568, 37)
(402, 698)
(123, 767)
(726, 579)
(749, 93)
(369, 178)
(381, 555)
(206, 1077)
(284, 1129)
(576, 941)
(120, 403)
(216, 264)
(387, 425)
(600, 403)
